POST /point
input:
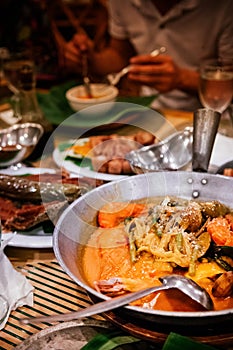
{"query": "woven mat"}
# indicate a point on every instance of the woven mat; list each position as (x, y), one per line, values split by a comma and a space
(55, 293)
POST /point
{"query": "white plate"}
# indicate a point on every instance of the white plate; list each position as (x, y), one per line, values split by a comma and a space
(25, 170)
(59, 158)
(35, 238)
(222, 150)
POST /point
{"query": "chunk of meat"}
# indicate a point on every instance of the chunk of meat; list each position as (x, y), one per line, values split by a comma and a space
(144, 138)
(223, 286)
(115, 166)
(30, 215)
(108, 152)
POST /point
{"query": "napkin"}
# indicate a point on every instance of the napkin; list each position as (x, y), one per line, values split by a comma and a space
(14, 286)
(222, 150)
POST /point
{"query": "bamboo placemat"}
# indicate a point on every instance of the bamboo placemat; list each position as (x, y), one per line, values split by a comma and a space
(54, 293)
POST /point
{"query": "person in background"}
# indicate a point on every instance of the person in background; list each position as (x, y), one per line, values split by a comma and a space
(25, 27)
(191, 31)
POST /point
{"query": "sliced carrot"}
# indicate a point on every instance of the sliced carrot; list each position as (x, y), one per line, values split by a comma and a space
(229, 241)
(219, 229)
(112, 214)
(82, 149)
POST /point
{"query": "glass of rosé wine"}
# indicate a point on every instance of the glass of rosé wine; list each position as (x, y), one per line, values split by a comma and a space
(216, 88)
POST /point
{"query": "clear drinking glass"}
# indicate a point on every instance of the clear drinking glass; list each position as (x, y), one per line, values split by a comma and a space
(20, 74)
(13, 66)
(216, 90)
(216, 84)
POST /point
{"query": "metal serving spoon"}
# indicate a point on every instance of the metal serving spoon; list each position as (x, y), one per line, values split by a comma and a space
(173, 153)
(185, 285)
(113, 78)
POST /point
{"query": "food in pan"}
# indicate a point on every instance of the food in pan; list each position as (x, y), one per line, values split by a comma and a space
(136, 243)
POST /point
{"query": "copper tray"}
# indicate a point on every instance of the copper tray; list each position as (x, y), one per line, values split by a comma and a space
(220, 335)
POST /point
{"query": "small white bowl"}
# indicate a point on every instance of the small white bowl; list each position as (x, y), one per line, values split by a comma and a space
(78, 100)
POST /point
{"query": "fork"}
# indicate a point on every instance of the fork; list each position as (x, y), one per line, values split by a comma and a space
(114, 78)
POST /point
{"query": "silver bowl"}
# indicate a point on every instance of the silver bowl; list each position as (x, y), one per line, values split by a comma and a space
(18, 142)
(78, 222)
(173, 153)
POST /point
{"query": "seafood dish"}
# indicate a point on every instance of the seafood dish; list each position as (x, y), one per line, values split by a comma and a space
(107, 152)
(137, 242)
(29, 200)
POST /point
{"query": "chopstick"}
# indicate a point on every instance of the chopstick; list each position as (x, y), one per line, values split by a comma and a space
(86, 79)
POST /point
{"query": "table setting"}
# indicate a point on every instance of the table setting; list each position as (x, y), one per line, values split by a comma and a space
(74, 181)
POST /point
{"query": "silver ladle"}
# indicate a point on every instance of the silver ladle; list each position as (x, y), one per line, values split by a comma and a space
(185, 285)
(172, 153)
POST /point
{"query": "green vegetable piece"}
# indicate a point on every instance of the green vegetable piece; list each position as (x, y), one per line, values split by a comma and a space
(82, 162)
(179, 241)
(177, 342)
(193, 260)
(132, 247)
(109, 341)
(62, 147)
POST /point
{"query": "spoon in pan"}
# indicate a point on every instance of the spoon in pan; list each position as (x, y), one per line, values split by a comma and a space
(185, 285)
(113, 78)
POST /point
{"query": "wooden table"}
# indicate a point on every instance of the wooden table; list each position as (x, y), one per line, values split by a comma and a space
(20, 256)
(54, 290)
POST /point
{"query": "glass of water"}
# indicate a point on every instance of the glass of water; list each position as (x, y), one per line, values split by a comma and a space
(216, 90)
(216, 84)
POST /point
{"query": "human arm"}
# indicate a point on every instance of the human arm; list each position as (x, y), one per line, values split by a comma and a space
(163, 74)
(111, 59)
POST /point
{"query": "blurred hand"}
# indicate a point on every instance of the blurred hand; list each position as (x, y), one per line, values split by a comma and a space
(74, 50)
(159, 72)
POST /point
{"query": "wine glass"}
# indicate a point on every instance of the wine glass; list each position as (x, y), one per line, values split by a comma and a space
(216, 85)
(14, 69)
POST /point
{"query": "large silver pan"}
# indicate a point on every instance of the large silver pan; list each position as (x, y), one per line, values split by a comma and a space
(76, 224)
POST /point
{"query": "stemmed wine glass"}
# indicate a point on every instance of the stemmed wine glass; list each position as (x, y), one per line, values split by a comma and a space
(216, 84)
(13, 69)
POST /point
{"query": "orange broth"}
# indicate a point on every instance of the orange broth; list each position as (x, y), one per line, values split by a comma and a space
(107, 256)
